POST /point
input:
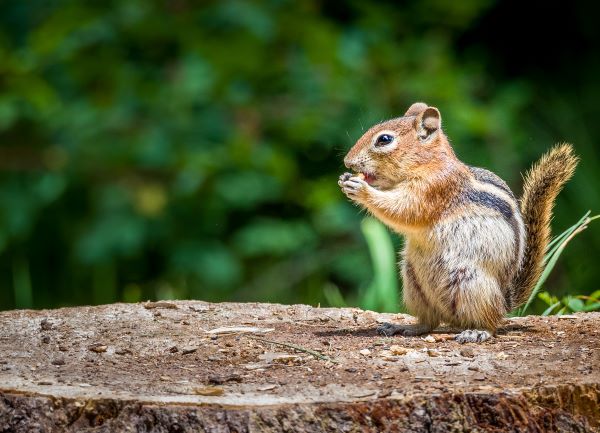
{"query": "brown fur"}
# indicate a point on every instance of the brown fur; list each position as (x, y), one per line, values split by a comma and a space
(466, 259)
(543, 182)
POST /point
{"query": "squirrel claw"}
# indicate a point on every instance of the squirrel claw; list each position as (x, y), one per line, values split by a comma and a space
(353, 186)
(344, 177)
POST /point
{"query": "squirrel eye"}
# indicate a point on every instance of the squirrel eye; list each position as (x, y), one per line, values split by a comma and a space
(384, 139)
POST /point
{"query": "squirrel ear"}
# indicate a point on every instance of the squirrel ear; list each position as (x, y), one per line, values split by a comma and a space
(428, 122)
(416, 108)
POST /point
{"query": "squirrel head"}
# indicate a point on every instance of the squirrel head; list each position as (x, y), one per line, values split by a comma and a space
(402, 148)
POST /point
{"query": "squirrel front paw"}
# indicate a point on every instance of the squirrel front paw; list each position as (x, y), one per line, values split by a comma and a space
(354, 187)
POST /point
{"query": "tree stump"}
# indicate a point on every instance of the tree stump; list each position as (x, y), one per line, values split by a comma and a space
(195, 366)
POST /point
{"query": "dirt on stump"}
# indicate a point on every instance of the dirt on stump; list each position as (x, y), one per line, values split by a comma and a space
(177, 366)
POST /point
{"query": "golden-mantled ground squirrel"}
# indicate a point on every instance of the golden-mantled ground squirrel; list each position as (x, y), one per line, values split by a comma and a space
(472, 251)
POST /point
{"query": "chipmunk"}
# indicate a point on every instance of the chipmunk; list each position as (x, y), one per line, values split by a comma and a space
(472, 252)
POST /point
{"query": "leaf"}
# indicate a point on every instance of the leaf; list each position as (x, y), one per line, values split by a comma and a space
(576, 304)
(209, 391)
(591, 307)
(595, 295)
(547, 298)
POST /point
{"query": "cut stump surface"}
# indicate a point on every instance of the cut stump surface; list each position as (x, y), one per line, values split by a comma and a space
(196, 366)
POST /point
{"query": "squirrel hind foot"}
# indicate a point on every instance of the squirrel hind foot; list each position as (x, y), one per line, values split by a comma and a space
(388, 329)
(473, 336)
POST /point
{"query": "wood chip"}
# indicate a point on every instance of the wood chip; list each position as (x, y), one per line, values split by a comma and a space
(429, 339)
(399, 350)
(267, 387)
(386, 355)
(364, 352)
(501, 355)
(98, 347)
(209, 391)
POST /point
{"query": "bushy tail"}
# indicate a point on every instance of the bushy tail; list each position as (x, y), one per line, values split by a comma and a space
(543, 182)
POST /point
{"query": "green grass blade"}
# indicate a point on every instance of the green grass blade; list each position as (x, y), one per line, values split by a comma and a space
(382, 294)
(555, 243)
(333, 296)
(547, 269)
(562, 235)
(552, 257)
(551, 308)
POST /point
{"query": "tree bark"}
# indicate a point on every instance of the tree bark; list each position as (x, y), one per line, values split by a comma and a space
(194, 366)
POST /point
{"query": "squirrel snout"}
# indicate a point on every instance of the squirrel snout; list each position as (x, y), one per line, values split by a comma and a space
(349, 163)
(357, 162)
(346, 162)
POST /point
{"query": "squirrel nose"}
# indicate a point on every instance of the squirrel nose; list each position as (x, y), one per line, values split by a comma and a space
(348, 163)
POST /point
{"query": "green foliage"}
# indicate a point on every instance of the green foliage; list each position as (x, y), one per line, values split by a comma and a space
(168, 149)
(570, 304)
(382, 293)
(554, 250)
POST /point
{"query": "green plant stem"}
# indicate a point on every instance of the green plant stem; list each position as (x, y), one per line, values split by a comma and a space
(382, 294)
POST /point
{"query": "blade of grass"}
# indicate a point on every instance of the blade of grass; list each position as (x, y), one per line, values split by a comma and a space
(333, 296)
(552, 258)
(548, 310)
(382, 294)
(548, 268)
(560, 238)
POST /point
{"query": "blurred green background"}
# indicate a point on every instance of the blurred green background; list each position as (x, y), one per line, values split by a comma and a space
(178, 149)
